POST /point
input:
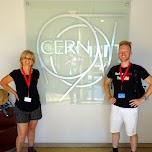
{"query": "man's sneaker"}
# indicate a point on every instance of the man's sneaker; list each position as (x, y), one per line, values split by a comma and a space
(31, 149)
(113, 151)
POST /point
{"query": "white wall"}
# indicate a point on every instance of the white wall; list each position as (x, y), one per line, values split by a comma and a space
(140, 35)
(75, 123)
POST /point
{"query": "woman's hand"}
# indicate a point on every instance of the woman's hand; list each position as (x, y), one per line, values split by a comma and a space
(16, 96)
(112, 100)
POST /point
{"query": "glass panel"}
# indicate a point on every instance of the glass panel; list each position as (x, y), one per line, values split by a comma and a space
(75, 42)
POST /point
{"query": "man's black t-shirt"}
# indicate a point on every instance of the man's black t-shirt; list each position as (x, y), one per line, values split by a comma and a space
(128, 84)
(22, 90)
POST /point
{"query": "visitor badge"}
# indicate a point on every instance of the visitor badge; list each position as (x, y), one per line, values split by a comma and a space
(27, 99)
(121, 95)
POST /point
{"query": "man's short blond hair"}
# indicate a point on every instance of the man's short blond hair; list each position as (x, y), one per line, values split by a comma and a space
(125, 43)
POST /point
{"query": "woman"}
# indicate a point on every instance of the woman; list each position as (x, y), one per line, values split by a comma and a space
(27, 105)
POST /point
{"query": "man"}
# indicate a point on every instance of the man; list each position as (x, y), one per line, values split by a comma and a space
(127, 95)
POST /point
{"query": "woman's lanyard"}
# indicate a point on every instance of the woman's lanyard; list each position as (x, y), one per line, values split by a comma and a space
(28, 81)
(123, 76)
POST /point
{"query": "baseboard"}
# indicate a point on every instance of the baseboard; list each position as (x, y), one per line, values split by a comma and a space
(87, 145)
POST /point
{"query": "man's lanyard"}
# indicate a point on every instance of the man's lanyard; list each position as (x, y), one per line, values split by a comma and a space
(28, 81)
(123, 76)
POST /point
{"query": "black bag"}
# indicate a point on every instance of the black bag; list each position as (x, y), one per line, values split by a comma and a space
(139, 89)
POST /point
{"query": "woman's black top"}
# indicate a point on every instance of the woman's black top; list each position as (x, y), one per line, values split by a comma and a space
(22, 90)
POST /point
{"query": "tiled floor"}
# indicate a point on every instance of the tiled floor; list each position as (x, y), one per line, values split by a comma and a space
(85, 149)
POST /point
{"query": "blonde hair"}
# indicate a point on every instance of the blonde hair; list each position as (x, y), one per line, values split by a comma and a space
(125, 43)
(24, 53)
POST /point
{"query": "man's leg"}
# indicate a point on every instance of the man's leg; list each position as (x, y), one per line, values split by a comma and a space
(133, 142)
(115, 126)
(115, 141)
(130, 120)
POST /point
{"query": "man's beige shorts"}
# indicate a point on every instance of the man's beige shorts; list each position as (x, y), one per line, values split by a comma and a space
(128, 116)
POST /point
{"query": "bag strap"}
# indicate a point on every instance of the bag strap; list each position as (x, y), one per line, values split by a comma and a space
(5, 112)
(135, 75)
(113, 74)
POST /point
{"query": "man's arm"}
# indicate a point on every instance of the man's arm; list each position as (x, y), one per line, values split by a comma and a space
(107, 90)
(136, 102)
(149, 90)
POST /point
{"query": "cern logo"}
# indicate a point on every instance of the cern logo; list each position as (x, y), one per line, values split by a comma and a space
(71, 48)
